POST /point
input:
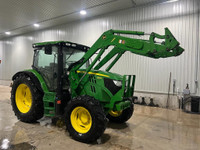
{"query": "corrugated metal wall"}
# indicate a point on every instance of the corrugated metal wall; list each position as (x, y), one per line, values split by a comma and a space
(1, 56)
(151, 75)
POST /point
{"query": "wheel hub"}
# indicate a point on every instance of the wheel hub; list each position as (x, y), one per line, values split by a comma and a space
(81, 119)
(23, 98)
(115, 113)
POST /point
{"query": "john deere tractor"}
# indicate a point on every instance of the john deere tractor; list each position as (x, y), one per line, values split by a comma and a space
(64, 82)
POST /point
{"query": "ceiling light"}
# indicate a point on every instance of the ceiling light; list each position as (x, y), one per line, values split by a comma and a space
(170, 1)
(36, 25)
(7, 33)
(83, 12)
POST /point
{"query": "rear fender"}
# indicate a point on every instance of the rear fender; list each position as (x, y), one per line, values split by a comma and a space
(31, 75)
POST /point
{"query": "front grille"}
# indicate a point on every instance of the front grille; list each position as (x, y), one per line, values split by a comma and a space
(110, 85)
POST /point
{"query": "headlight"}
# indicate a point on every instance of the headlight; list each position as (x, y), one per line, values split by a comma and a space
(117, 83)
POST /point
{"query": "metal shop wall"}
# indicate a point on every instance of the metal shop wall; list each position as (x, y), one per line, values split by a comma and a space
(152, 75)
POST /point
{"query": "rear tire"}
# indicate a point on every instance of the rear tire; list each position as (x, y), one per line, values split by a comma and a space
(26, 100)
(121, 116)
(85, 119)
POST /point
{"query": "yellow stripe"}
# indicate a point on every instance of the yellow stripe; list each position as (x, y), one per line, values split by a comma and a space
(98, 74)
(113, 39)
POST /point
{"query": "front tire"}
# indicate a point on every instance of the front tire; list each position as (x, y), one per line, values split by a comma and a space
(121, 116)
(26, 100)
(85, 119)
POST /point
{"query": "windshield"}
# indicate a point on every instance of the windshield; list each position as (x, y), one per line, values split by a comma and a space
(71, 56)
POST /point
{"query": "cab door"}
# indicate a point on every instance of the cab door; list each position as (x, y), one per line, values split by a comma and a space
(47, 66)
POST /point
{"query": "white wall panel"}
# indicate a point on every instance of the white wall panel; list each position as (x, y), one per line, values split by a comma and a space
(1, 58)
(151, 75)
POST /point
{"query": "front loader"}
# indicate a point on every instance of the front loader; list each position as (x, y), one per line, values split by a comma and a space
(64, 83)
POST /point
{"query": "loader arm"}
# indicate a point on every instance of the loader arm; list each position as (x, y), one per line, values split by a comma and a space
(149, 48)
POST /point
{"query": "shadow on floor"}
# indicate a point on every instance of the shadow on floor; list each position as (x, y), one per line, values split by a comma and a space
(22, 146)
(117, 125)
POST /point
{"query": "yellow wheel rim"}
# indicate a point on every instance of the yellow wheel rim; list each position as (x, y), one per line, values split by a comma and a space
(23, 98)
(115, 113)
(81, 119)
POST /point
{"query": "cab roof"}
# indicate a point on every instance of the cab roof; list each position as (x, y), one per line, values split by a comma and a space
(64, 43)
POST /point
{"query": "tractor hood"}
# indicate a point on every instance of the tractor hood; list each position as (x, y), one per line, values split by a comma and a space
(105, 74)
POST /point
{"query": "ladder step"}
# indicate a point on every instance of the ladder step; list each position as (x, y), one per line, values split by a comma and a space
(49, 115)
(46, 100)
(49, 108)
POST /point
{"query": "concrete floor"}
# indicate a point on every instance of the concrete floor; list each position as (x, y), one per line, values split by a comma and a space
(149, 128)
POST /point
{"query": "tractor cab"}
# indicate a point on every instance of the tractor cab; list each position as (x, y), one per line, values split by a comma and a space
(52, 60)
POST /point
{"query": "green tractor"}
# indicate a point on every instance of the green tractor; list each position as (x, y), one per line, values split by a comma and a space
(63, 82)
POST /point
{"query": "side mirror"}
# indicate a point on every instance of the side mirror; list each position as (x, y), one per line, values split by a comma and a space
(48, 49)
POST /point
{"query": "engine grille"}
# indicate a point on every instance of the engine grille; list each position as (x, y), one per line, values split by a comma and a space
(110, 85)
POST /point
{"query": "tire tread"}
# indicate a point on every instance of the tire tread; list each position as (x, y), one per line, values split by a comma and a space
(97, 112)
(36, 112)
